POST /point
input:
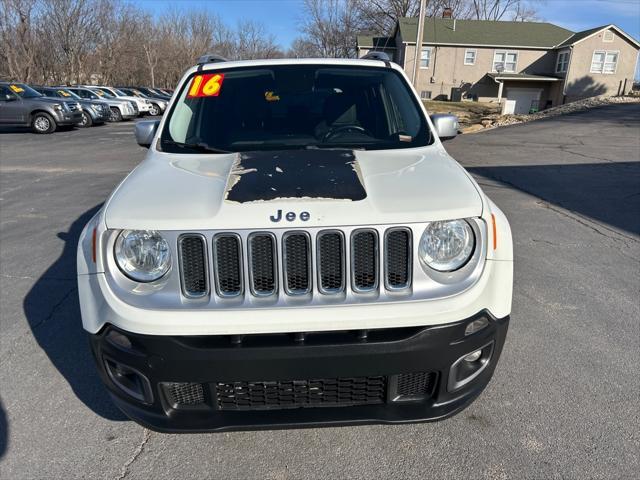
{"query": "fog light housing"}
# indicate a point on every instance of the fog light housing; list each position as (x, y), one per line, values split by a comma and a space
(129, 380)
(472, 357)
(469, 366)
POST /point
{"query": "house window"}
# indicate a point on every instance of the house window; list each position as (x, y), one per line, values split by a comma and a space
(425, 57)
(563, 62)
(470, 57)
(608, 36)
(425, 94)
(505, 61)
(604, 62)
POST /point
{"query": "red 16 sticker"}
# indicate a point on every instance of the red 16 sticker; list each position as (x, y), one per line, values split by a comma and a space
(207, 85)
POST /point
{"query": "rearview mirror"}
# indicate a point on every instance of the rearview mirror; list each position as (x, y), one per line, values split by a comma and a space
(446, 125)
(145, 131)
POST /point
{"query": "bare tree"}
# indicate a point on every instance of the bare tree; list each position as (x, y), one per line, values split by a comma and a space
(499, 9)
(253, 41)
(329, 27)
(18, 42)
(380, 16)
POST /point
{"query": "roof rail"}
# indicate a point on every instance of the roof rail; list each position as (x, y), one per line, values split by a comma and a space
(210, 58)
(377, 56)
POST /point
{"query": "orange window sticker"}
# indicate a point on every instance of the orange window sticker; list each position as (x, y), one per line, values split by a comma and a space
(206, 85)
(16, 88)
(269, 96)
(63, 93)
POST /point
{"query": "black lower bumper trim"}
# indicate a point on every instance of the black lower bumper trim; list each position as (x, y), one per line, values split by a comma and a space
(280, 367)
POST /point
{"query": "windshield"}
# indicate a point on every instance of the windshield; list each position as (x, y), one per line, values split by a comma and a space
(68, 93)
(295, 106)
(25, 91)
(102, 93)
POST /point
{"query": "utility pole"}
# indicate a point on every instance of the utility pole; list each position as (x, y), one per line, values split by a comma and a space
(418, 53)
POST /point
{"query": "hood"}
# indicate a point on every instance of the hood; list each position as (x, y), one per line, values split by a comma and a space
(292, 189)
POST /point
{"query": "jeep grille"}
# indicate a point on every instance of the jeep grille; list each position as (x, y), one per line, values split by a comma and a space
(297, 263)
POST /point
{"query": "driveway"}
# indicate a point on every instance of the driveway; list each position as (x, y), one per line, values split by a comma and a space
(564, 400)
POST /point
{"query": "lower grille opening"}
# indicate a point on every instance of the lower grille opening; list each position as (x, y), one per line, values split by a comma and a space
(301, 393)
(184, 394)
(414, 386)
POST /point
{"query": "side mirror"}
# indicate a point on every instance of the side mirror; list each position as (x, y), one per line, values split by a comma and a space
(145, 131)
(446, 125)
(94, 97)
(9, 98)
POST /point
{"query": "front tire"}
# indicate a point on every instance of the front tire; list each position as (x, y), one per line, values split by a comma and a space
(86, 121)
(154, 110)
(43, 123)
(116, 116)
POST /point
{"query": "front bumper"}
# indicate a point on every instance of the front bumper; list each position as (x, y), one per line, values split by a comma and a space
(100, 116)
(68, 118)
(273, 361)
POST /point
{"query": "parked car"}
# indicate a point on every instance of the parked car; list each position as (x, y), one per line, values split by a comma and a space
(94, 112)
(120, 109)
(143, 105)
(158, 104)
(21, 105)
(154, 92)
(297, 248)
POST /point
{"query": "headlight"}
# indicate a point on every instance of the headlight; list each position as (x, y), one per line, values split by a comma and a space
(446, 246)
(57, 107)
(142, 255)
(95, 108)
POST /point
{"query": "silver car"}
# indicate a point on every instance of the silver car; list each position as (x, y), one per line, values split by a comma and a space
(120, 109)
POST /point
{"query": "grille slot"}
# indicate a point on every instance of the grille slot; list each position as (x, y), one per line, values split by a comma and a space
(398, 258)
(418, 384)
(193, 257)
(227, 257)
(262, 262)
(184, 394)
(330, 253)
(364, 260)
(301, 393)
(297, 263)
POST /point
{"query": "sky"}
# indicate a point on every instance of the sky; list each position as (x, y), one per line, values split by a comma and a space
(282, 17)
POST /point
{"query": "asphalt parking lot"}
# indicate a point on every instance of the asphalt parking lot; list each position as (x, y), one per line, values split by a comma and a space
(565, 397)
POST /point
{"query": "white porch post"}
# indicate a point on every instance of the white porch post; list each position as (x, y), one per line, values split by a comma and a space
(500, 85)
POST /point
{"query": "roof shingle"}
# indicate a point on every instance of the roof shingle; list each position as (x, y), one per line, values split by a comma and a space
(485, 32)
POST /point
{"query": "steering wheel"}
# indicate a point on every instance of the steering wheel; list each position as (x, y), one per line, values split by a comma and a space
(344, 128)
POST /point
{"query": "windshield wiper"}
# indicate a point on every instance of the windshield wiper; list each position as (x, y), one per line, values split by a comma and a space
(199, 146)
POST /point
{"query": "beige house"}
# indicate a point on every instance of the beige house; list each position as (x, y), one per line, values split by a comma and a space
(526, 66)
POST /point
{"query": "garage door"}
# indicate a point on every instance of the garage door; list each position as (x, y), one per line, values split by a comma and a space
(521, 100)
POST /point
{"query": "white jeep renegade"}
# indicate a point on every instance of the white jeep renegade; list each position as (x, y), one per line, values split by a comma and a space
(297, 248)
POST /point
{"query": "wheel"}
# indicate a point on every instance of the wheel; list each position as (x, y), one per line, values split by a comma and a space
(43, 123)
(154, 110)
(86, 121)
(116, 116)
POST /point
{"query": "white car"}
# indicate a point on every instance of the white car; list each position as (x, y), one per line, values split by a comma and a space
(297, 248)
(143, 105)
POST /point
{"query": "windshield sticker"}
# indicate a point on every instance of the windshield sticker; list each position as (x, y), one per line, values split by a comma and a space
(16, 88)
(63, 93)
(207, 85)
(100, 93)
(271, 97)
